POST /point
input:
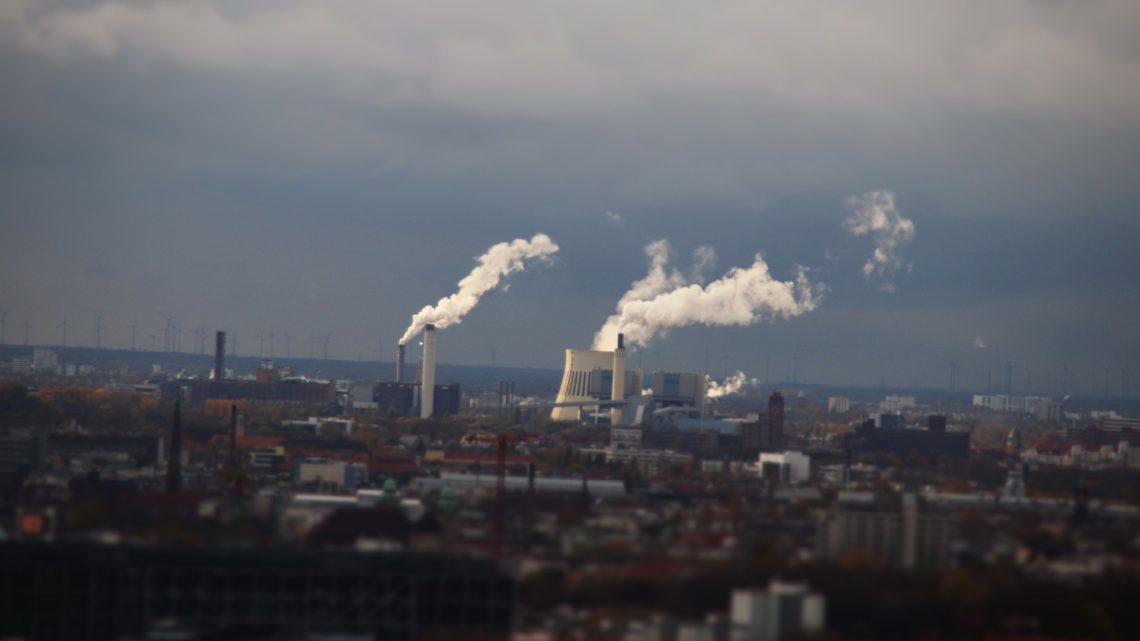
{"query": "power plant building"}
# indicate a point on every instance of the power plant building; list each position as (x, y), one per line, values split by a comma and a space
(596, 375)
(400, 399)
(589, 376)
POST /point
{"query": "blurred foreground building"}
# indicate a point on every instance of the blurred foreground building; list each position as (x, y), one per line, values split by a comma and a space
(900, 530)
(76, 592)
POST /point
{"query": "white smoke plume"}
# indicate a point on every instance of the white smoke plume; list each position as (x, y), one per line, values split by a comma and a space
(704, 259)
(980, 342)
(659, 279)
(743, 296)
(499, 261)
(875, 213)
(731, 385)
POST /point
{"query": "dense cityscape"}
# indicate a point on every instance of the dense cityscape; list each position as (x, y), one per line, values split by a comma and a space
(369, 320)
(165, 495)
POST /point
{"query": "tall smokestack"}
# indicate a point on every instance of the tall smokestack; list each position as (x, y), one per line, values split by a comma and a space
(219, 356)
(617, 392)
(400, 363)
(427, 382)
(174, 462)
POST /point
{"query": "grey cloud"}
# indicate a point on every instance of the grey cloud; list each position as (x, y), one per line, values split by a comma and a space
(333, 165)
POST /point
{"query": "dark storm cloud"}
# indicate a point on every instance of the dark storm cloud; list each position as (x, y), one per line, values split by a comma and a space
(331, 167)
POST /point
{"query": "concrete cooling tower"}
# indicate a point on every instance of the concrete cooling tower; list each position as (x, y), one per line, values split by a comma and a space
(589, 376)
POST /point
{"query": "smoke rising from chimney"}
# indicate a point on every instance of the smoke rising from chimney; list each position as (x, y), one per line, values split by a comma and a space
(499, 261)
(664, 300)
(731, 385)
(661, 278)
(875, 213)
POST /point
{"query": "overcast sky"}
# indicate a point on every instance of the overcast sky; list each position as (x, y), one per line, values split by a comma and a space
(305, 167)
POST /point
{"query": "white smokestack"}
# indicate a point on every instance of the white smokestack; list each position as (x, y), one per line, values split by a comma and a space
(499, 261)
(742, 297)
(617, 390)
(427, 380)
(875, 213)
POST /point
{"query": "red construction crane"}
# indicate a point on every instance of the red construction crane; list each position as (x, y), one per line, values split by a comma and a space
(502, 441)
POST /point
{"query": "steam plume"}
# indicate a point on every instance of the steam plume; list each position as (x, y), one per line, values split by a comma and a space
(731, 385)
(659, 279)
(875, 213)
(704, 259)
(743, 296)
(499, 261)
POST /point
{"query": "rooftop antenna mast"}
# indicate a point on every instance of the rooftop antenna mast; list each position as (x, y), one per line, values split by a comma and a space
(325, 345)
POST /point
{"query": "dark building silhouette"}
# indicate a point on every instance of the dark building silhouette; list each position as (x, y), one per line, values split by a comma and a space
(270, 391)
(888, 421)
(766, 434)
(143, 449)
(445, 400)
(219, 356)
(81, 592)
(395, 399)
(903, 441)
(936, 423)
(776, 419)
(399, 399)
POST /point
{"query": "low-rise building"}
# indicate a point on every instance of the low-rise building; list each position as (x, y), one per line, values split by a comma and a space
(792, 467)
